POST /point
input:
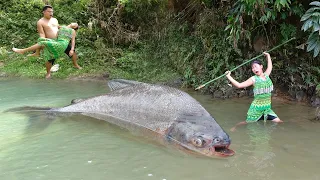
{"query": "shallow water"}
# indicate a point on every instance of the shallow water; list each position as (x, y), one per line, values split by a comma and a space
(39, 146)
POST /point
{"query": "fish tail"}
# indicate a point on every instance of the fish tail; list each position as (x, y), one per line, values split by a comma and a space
(27, 109)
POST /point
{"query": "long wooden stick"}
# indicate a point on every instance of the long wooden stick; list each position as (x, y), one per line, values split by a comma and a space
(203, 85)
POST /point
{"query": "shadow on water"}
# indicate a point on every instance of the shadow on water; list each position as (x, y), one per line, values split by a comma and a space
(37, 123)
(38, 119)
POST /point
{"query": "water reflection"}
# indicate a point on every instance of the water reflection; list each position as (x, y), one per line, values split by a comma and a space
(261, 156)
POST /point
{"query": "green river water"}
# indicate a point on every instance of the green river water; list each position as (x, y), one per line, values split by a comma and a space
(76, 147)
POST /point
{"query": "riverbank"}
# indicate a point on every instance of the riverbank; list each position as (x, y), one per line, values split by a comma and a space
(225, 92)
(132, 66)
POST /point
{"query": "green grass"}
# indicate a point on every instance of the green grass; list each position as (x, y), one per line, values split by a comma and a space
(126, 65)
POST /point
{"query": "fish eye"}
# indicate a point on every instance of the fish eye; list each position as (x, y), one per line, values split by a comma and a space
(198, 142)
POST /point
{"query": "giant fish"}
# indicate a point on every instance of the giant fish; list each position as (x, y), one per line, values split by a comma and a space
(170, 114)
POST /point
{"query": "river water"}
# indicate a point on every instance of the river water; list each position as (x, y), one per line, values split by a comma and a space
(39, 146)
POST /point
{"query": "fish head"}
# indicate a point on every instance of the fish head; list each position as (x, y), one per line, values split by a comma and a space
(203, 137)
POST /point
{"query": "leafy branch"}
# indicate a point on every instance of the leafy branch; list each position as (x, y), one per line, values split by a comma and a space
(312, 22)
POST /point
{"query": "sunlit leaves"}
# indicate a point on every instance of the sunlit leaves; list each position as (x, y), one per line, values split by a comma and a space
(312, 21)
(310, 12)
(314, 43)
(315, 3)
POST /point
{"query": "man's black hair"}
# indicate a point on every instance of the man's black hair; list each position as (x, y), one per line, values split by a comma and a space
(46, 7)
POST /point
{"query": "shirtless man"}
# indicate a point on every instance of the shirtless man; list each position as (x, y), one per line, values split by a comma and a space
(47, 27)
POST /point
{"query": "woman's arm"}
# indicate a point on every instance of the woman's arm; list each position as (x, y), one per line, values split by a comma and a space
(269, 68)
(244, 84)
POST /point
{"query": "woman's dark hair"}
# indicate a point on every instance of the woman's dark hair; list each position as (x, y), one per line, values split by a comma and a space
(256, 62)
(76, 28)
(46, 7)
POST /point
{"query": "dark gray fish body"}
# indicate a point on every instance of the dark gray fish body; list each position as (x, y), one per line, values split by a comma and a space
(152, 106)
(161, 109)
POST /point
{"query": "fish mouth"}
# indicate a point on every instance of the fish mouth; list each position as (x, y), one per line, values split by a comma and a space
(221, 151)
(211, 151)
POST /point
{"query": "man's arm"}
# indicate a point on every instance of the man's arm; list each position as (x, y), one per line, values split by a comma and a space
(40, 29)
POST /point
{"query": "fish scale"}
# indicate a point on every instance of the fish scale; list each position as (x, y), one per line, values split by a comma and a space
(136, 104)
(163, 111)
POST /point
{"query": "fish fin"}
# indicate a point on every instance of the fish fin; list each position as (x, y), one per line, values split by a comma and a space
(161, 132)
(75, 101)
(28, 108)
(116, 84)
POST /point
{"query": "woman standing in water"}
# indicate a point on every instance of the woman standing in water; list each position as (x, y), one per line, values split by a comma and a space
(260, 108)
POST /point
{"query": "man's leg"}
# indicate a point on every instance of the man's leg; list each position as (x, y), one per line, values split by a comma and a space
(48, 68)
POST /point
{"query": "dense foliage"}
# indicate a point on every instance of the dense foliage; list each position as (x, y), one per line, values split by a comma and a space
(311, 21)
(156, 40)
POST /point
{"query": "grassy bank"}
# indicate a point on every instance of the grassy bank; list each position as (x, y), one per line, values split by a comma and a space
(126, 64)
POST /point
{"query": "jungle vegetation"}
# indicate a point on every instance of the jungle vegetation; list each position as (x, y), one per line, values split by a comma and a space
(161, 40)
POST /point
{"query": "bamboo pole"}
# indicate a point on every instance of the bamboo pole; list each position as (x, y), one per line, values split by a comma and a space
(203, 85)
